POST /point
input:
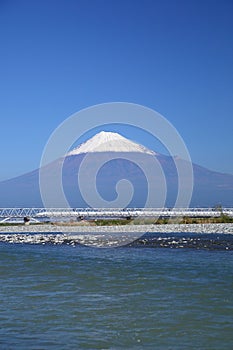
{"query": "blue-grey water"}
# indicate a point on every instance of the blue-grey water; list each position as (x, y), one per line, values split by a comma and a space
(136, 297)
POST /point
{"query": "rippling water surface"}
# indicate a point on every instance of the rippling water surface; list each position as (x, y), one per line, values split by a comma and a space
(76, 297)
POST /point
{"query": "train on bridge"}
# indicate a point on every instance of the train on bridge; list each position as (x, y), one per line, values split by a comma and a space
(50, 214)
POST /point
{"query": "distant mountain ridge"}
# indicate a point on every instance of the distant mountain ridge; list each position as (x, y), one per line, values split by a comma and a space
(210, 188)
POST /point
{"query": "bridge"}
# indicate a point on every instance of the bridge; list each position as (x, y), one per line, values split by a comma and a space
(43, 214)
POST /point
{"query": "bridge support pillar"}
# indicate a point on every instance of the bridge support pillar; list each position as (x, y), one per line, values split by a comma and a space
(26, 220)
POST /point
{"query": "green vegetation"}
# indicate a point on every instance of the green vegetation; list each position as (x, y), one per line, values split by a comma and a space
(21, 223)
(11, 224)
(211, 220)
(137, 221)
(161, 221)
(112, 222)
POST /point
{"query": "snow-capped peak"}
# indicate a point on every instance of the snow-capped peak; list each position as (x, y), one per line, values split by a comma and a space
(109, 142)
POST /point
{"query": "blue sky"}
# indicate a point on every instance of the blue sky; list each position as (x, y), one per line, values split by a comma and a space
(60, 56)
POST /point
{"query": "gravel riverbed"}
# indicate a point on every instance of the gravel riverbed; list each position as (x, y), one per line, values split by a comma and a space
(170, 235)
(195, 228)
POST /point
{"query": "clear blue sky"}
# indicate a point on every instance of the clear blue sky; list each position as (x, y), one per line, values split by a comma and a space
(59, 56)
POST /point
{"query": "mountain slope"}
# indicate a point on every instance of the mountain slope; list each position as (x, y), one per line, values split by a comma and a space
(210, 188)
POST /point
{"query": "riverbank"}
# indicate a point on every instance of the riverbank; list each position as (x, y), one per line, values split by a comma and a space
(224, 228)
(170, 235)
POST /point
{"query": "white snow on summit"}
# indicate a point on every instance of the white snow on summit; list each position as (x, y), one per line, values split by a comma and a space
(109, 142)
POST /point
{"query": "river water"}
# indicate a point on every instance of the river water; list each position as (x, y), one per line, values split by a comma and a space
(143, 296)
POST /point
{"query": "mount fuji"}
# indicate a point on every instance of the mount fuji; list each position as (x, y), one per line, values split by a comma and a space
(119, 158)
(109, 142)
